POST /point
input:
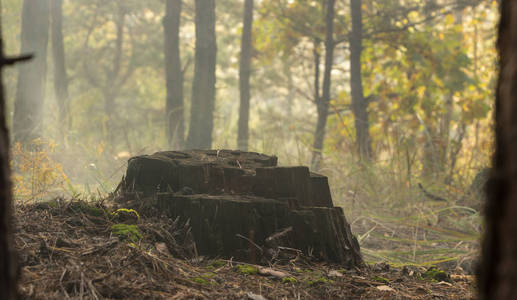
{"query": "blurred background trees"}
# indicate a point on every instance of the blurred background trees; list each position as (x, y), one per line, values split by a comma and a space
(377, 94)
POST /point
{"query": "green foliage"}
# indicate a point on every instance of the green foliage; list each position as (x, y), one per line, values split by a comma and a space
(428, 72)
(127, 232)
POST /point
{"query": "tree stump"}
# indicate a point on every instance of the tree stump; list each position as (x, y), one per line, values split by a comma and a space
(235, 199)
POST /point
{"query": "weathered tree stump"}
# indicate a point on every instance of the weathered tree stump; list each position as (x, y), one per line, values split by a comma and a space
(231, 198)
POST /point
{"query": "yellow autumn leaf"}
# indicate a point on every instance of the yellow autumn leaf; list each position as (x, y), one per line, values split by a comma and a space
(449, 19)
(100, 148)
(413, 15)
(420, 91)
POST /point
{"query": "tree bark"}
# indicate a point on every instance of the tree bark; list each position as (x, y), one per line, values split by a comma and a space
(359, 103)
(174, 76)
(30, 91)
(58, 54)
(8, 267)
(244, 77)
(323, 101)
(203, 87)
(498, 271)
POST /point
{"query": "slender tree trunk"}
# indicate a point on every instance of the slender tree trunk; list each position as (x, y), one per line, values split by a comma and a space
(203, 87)
(114, 79)
(317, 58)
(60, 76)
(174, 103)
(290, 92)
(323, 102)
(359, 103)
(498, 271)
(244, 77)
(8, 267)
(30, 92)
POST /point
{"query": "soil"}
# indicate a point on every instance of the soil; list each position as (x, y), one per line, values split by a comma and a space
(78, 250)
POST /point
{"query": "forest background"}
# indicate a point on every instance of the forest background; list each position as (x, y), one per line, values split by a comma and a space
(422, 72)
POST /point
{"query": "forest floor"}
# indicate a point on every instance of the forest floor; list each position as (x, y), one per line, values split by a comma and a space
(78, 250)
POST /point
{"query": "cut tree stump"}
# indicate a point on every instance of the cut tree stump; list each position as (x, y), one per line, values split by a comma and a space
(241, 204)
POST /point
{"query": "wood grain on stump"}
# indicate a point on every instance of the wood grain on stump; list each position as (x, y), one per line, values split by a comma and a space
(231, 198)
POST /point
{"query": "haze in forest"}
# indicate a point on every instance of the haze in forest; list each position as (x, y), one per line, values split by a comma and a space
(390, 99)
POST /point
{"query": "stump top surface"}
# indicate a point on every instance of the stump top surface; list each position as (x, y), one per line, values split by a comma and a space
(225, 198)
(221, 158)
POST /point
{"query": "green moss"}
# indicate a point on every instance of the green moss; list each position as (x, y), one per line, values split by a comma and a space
(319, 280)
(87, 208)
(127, 212)
(308, 271)
(215, 264)
(47, 204)
(436, 274)
(208, 275)
(127, 232)
(381, 279)
(205, 279)
(200, 280)
(289, 280)
(247, 269)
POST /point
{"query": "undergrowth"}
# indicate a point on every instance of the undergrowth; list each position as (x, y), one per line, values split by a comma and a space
(394, 221)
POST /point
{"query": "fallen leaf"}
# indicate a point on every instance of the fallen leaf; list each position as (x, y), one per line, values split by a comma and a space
(162, 248)
(335, 273)
(385, 288)
(271, 272)
(256, 297)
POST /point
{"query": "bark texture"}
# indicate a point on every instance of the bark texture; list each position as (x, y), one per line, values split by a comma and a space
(226, 194)
(203, 87)
(323, 101)
(30, 93)
(244, 77)
(8, 267)
(498, 271)
(174, 76)
(359, 103)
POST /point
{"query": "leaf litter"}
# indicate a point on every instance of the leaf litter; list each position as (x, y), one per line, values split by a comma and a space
(67, 249)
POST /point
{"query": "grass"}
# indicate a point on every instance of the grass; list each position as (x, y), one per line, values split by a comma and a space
(396, 223)
(393, 220)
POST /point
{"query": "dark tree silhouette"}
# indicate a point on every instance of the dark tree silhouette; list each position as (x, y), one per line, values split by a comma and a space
(30, 91)
(8, 267)
(58, 54)
(359, 103)
(244, 77)
(174, 76)
(203, 87)
(323, 101)
(498, 271)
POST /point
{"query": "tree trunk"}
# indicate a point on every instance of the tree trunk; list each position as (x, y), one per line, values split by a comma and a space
(30, 91)
(244, 77)
(8, 268)
(323, 101)
(359, 103)
(174, 103)
(60, 76)
(498, 271)
(203, 87)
